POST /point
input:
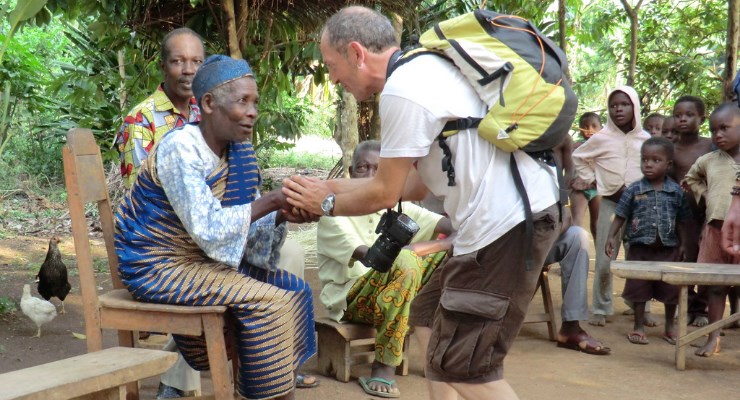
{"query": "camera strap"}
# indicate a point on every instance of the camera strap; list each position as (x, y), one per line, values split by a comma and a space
(390, 211)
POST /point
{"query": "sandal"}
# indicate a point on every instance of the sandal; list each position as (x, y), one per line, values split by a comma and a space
(365, 383)
(637, 337)
(584, 342)
(300, 382)
(670, 337)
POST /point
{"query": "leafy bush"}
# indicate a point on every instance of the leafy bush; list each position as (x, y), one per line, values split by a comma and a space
(302, 160)
(7, 305)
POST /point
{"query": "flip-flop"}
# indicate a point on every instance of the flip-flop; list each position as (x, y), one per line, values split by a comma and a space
(670, 338)
(365, 383)
(636, 337)
(300, 382)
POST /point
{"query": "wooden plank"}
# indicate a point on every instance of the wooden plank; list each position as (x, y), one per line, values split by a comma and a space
(82, 375)
(349, 331)
(679, 273)
(122, 299)
(683, 296)
(636, 270)
(704, 330)
(183, 324)
(727, 276)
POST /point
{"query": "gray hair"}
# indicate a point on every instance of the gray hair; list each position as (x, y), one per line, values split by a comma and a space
(364, 147)
(359, 24)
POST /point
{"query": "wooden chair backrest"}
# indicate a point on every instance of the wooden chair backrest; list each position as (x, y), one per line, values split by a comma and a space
(84, 178)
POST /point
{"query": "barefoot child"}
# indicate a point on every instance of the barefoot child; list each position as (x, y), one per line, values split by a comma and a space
(712, 178)
(612, 158)
(689, 115)
(653, 124)
(588, 124)
(652, 207)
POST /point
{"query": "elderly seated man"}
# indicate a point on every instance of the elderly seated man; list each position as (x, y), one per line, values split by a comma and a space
(354, 292)
(194, 230)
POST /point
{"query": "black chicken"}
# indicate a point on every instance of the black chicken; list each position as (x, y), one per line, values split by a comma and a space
(53, 275)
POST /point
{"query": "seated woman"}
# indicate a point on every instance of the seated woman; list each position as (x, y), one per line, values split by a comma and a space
(194, 230)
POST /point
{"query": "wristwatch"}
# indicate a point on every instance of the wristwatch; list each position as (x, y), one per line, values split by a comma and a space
(327, 206)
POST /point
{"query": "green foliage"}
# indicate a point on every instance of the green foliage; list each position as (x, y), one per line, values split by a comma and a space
(62, 67)
(23, 11)
(291, 159)
(681, 52)
(29, 64)
(7, 305)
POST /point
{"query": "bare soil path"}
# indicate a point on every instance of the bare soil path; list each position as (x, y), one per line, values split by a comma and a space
(535, 367)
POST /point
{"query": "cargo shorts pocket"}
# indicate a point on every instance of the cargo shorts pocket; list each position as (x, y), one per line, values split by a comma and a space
(466, 331)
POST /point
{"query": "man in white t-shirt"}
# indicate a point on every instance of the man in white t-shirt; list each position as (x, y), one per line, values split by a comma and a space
(475, 304)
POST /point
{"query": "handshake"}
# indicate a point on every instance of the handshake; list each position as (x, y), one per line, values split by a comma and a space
(304, 197)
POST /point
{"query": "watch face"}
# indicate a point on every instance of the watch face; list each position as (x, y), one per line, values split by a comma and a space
(328, 204)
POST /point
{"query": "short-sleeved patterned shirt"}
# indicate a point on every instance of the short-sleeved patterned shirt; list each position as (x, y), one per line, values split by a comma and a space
(144, 126)
(652, 214)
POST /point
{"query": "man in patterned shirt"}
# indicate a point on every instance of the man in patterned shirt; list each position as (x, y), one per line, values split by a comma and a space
(172, 105)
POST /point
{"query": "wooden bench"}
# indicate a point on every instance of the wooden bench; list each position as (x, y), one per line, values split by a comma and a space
(101, 375)
(683, 275)
(343, 345)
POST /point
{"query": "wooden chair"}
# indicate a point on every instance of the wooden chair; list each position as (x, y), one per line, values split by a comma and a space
(116, 309)
(549, 315)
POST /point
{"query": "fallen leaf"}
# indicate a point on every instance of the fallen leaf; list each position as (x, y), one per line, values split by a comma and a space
(79, 336)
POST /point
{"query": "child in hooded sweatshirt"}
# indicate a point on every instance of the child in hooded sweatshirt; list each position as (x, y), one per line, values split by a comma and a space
(612, 158)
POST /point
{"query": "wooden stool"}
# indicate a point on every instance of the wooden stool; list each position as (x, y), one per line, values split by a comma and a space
(543, 284)
(343, 344)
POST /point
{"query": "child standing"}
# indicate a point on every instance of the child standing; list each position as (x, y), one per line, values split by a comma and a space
(588, 124)
(668, 130)
(612, 158)
(652, 208)
(712, 178)
(689, 115)
(653, 124)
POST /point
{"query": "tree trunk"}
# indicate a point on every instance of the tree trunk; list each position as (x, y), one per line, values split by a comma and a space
(123, 95)
(562, 30)
(234, 50)
(632, 14)
(733, 29)
(561, 25)
(242, 15)
(346, 133)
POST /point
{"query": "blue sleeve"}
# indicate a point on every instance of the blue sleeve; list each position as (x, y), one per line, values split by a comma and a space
(624, 206)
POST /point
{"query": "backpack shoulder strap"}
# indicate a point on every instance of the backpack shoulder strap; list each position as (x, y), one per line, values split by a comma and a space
(399, 58)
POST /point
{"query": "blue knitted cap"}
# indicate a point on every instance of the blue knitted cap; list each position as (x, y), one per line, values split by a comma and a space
(217, 70)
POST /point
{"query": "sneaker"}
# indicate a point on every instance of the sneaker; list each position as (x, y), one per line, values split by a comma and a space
(168, 392)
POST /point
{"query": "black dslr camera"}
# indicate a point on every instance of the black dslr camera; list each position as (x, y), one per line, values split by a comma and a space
(396, 230)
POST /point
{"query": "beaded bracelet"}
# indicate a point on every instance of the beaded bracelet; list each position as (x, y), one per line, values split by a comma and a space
(735, 190)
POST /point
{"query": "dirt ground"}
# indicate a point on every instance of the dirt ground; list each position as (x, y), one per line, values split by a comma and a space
(535, 367)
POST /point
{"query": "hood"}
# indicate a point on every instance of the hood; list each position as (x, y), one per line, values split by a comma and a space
(632, 94)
